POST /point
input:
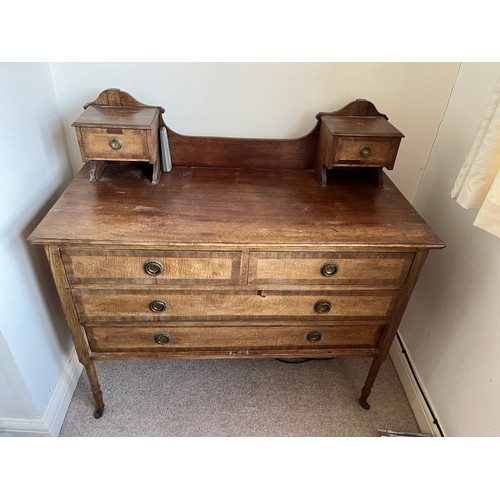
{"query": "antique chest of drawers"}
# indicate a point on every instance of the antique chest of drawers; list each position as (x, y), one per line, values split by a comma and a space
(222, 260)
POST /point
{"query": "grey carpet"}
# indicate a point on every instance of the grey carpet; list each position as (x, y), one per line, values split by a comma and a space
(239, 397)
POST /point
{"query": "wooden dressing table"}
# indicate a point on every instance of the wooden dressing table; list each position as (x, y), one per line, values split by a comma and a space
(237, 252)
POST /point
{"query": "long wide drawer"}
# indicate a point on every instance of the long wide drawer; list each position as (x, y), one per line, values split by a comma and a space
(97, 266)
(329, 268)
(168, 337)
(160, 305)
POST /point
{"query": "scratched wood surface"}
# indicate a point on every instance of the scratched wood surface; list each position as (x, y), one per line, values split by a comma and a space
(197, 207)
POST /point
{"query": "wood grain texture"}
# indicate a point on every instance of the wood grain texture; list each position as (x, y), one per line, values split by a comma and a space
(305, 267)
(190, 304)
(228, 152)
(98, 266)
(342, 138)
(79, 338)
(232, 208)
(391, 330)
(117, 97)
(243, 353)
(95, 142)
(118, 117)
(382, 152)
(111, 338)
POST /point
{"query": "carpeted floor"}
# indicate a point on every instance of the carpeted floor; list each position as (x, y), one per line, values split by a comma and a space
(233, 397)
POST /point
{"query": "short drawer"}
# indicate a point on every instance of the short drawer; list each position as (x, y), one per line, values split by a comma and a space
(184, 305)
(167, 337)
(329, 268)
(84, 266)
(366, 151)
(109, 144)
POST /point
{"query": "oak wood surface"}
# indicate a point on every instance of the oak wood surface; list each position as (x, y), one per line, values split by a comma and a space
(261, 208)
(227, 152)
(117, 117)
(95, 145)
(97, 266)
(189, 304)
(356, 126)
(383, 152)
(140, 337)
(391, 330)
(305, 267)
(242, 352)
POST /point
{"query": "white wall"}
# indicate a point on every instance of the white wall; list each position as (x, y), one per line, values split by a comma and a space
(34, 343)
(452, 324)
(270, 99)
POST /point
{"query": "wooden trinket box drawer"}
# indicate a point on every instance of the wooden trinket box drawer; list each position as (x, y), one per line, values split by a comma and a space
(237, 261)
(117, 128)
(356, 141)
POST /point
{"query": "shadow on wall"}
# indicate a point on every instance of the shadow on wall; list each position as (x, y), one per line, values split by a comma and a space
(41, 269)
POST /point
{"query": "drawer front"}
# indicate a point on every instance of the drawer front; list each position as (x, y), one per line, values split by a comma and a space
(119, 144)
(366, 151)
(184, 305)
(143, 267)
(166, 337)
(329, 268)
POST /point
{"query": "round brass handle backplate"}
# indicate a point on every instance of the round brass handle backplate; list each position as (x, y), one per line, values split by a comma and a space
(115, 143)
(323, 306)
(153, 268)
(365, 151)
(329, 269)
(157, 306)
(163, 338)
(314, 336)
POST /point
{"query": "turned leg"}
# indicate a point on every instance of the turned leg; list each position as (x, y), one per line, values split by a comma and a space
(96, 389)
(370, 380)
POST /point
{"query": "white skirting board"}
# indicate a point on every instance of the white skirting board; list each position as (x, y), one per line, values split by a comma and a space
(50, 423)
(413, 392)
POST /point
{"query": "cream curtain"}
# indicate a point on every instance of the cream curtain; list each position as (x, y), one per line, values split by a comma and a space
(478, 182)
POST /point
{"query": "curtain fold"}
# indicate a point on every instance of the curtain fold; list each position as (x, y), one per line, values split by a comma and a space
(478, 182)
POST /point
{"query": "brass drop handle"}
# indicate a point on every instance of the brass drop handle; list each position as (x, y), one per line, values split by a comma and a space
(153, 268)
(329, 269)
(157, 306)
(115, 143)
(314, 336)
(323, 306)
(163, 338)
(365, 151)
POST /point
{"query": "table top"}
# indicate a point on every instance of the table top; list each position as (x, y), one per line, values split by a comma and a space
(200, 207)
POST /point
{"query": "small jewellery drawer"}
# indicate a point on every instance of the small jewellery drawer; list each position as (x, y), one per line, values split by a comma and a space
(366, 151)
(114, 144)
(184, 305)
(329, 268)
(167, 337)
(85, 266)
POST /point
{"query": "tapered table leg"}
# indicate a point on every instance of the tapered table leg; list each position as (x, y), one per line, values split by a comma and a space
(96, 389)
(370, 380)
